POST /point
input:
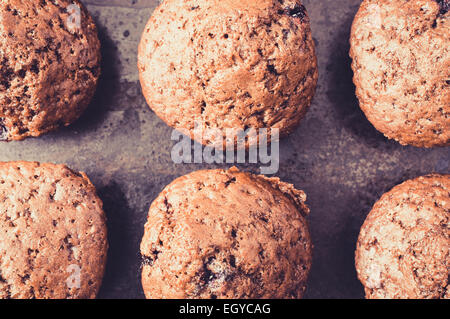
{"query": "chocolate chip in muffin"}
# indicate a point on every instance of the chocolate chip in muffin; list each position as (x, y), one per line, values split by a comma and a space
(253, 70)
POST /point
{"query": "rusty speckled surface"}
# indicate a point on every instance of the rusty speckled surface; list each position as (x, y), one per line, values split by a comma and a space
(336, 156)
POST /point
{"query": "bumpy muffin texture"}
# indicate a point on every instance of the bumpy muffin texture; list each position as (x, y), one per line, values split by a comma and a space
(401, 64)
(403, 247)
(215, 64)
(226, 234)
(52, 229)
(49, 65)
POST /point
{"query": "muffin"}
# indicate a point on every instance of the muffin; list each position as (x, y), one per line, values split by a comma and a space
(210, 65)
(226, 234)
(401, 64)
(49, 65)
(52, 233)
(403, 247)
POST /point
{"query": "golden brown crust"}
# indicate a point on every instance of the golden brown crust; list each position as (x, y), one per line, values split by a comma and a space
(403, 247)
(228, 64)
(226, 234)
(49, 68)
(401, 64)
(51, 223)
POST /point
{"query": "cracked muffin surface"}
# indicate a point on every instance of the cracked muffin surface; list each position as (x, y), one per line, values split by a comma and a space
(49, 65)
(401, 64)
(403, 247)
(226, 234)
(53, 241)
(217, 64)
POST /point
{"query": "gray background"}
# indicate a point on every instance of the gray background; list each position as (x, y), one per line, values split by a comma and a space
(335, 155)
